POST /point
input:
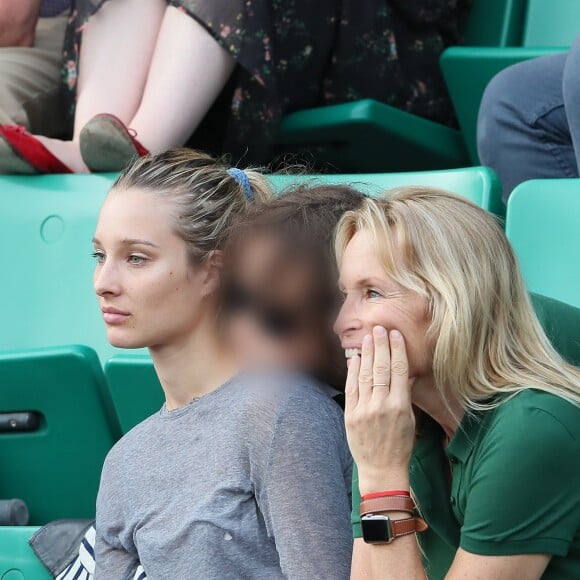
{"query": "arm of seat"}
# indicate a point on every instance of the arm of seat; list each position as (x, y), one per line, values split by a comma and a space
(369, 136)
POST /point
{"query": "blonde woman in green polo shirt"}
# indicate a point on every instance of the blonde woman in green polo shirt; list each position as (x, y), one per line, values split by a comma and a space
(453, 392)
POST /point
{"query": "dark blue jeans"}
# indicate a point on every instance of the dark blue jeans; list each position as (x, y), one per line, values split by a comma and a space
(529, 120)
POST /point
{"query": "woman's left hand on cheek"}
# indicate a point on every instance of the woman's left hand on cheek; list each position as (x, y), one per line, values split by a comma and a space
(379, 416)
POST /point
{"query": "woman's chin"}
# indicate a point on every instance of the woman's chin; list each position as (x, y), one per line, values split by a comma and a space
(123, 340)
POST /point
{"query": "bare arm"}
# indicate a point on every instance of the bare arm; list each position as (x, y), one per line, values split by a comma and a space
(18, 19)
(385, 563)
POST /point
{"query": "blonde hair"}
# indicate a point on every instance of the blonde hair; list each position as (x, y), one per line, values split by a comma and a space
(485, 336)
(208, 199)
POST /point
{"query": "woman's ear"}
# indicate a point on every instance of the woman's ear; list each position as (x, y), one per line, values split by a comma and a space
(213, 265)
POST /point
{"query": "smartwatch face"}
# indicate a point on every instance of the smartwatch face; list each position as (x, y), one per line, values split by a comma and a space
(376, 529)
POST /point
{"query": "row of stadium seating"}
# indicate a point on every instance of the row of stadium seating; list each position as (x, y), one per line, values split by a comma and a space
(46, 224)
(370, 136)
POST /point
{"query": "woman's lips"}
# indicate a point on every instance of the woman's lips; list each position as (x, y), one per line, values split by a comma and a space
(114, 318)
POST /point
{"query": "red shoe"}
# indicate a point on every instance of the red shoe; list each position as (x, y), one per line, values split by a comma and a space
(21, 152)
(108, 145)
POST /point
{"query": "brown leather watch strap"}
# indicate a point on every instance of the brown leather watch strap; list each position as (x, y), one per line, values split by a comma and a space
(393, 503)
(407, 526)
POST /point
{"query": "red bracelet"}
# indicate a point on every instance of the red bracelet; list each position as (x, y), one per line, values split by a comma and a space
(386, 494)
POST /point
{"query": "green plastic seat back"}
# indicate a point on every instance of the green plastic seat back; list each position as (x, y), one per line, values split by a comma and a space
(551, 23)
(55, 469)
(542, 226)
(48, 223)
(17, 560)
(134, 387)
(495, 23)
(46, 226)
(479, 184)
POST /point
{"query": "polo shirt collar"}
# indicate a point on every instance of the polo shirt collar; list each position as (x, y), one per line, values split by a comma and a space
(463, 441)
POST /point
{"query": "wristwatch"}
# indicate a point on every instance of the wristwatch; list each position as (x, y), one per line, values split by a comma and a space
(381, 529)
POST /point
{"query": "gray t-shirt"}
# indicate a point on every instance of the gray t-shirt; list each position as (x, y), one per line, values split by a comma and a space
(250, 481)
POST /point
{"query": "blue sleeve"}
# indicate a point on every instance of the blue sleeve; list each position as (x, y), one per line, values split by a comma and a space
(303, 489)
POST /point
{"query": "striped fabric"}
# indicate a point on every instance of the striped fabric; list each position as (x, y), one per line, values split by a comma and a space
(83, 567)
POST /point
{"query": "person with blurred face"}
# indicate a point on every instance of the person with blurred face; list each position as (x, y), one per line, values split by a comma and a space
(281, 295)
(463, 421)
(243, 472)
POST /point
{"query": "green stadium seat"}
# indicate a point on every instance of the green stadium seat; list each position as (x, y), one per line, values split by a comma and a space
(479, 184)
(542, 226)
(369, 136)
(549, 27)
(551, 23)
(51, 219)
(495, 23)
(48, 223)
(17, 560)
(134, 388)
(55, 468)
(46, 227)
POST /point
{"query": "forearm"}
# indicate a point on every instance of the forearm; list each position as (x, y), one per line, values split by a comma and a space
(18, 19)
(401, 559)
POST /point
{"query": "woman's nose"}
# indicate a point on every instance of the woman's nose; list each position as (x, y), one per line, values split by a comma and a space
(346, 321)
(106, 280)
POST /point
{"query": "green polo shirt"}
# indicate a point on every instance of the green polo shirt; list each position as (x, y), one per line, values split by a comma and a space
(515, 487)
(561, 324)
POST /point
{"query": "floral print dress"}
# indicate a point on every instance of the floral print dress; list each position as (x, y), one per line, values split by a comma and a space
(297, 54)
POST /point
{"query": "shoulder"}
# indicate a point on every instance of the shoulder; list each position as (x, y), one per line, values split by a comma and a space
(524, 462)
(533, 428)
(271, 394)
(129, 445)
(533, 414)
(272, 407)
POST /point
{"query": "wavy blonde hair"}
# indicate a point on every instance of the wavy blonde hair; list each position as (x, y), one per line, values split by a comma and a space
(485, 336)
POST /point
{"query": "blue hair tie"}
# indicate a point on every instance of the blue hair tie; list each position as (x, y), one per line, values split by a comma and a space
(240, 176)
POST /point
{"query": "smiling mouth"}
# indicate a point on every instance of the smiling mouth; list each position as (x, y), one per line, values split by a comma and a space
(350, 352)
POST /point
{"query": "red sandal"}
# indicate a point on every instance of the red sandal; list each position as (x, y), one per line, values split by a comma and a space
(22, 153)
(108, 145)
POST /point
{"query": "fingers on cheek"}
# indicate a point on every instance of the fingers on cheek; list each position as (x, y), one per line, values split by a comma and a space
(367, 347)
(379, 336)
(353, 372)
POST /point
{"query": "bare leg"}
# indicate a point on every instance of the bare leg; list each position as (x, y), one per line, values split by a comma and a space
(116, 52)
(188, 71)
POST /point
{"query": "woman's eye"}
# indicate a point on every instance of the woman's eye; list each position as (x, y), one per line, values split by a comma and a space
(99, 257)
(136, 260)
(373, 294)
